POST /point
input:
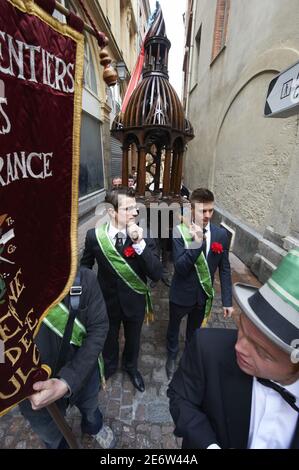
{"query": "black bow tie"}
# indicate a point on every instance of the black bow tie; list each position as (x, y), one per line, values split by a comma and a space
(286, 395)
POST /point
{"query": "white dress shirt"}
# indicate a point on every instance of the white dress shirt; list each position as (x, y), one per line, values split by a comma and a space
(113, 231)
(208, 238)
(272, 421)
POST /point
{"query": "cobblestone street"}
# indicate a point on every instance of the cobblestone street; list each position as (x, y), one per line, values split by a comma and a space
(139, 420)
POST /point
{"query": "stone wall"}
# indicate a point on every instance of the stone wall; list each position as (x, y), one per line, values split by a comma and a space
(249, 161)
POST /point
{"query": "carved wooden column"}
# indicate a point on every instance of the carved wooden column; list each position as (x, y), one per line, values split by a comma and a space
(173, 171)
(166, 176)
(158, 170)
(125, 162)
(141, 172)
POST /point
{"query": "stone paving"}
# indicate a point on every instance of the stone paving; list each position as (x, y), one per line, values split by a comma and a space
(139, 420)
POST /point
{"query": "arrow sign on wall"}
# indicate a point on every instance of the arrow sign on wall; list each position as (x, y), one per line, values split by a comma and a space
(283, 94)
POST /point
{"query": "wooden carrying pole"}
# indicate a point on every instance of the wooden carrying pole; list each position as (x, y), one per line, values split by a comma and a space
(62, 425)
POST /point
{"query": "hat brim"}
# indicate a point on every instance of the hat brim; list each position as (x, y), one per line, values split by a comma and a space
(242, 292)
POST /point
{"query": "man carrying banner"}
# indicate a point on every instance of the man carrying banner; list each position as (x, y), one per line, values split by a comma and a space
(125, 259)
(240, 389)
(198, 250)
(77, 377)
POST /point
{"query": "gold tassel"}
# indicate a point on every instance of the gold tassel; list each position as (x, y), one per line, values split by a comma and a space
(205, 320)
(149, 318)
(104, 384)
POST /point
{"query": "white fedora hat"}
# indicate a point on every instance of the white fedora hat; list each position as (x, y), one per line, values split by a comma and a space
(274, 308)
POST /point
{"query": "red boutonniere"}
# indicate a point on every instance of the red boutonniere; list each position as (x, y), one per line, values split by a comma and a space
(217, 248)
(129, 252)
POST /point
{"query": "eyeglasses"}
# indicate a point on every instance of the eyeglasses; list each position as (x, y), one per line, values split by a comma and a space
(129, 209)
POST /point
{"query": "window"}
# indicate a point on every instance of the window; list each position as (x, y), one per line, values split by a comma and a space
(113, 97)
(196, 54)
(91, 161)
(59, 16)
(220, 30)
(67, 4)
(70, 6)
(89, 69)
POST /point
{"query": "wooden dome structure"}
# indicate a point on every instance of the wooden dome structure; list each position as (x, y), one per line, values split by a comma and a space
(153, 128)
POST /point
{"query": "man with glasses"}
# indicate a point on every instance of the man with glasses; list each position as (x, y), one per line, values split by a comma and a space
(125, 259)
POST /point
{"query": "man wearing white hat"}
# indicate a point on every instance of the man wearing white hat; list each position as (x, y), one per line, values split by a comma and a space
(241, 389)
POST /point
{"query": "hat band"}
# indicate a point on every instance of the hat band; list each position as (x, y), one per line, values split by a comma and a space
(280, 305)
(272, 319)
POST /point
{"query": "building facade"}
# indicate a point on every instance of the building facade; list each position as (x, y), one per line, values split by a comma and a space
(124, 23)
(233, 50)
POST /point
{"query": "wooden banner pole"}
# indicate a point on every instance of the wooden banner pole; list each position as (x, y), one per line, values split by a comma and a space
(62, 425)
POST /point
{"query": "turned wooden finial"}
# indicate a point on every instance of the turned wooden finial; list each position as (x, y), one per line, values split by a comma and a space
(109, 74)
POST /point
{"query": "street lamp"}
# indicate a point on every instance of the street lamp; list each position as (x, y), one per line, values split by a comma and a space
(121, 71)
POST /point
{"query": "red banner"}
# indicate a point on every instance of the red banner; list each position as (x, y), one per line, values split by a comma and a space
(41, 67)
(134, 80)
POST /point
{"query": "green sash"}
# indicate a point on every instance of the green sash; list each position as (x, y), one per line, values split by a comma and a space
(57, 319)
(203, 273)
(123, 269)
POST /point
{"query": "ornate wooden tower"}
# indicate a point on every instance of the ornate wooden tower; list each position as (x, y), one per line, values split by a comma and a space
(153, 128)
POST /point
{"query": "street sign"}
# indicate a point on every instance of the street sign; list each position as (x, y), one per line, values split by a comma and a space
(283, 94)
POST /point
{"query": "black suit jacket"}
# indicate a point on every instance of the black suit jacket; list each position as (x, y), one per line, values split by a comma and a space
(210, 397)
(185, 289)
(116, 292)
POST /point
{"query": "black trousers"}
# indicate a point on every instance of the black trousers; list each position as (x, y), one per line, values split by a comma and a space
(132, 332)
(176, 313)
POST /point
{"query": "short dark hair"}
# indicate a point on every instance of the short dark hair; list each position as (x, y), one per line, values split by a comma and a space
(112, 196)
(201, 195)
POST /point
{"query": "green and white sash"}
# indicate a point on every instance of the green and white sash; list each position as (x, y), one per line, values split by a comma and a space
(57, 319)
(123, 269)
(203, 273)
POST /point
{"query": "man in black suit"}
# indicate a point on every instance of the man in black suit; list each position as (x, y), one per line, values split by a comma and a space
(241, 389)
(125, 259)
(188, 294)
